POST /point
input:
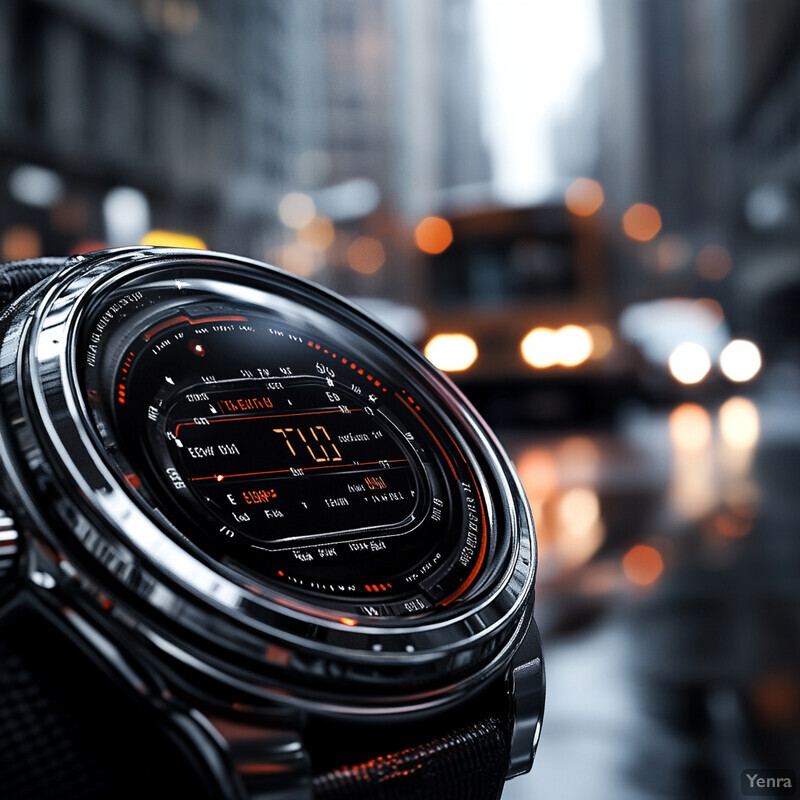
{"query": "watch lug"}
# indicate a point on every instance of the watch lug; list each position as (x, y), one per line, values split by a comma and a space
(525, 682)
(266, 762)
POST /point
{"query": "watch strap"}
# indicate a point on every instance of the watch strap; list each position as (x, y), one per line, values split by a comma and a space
(468, 763)
(68, 733)
(17, 276)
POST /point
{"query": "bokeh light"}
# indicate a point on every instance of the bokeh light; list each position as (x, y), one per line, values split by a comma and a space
(713, 262)
(574, 345)
(580, 531)
(584, 197)
(689, 363)
(690, 427)
(433, 235)
(20, 242)
(711, 312)
(539, 348)
(319, 234)
(296, 210)
(569, 346)
(162, 238)
(739, 424)
(366, 255)
(298, 259)
(740, 361)
(641, 222)
(643, 565)
(776, 698)
(602, 340)
(452, 352)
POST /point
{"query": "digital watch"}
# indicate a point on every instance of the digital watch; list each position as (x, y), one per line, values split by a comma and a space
(253, 546)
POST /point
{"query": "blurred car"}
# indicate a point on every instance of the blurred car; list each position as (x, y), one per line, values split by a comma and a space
(685, 348)
(519, 311)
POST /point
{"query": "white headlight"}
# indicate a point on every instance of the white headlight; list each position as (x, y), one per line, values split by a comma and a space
(689, 363)
(451, 352)
(740, 361)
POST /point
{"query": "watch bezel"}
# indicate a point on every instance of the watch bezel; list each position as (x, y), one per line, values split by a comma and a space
(190, 609)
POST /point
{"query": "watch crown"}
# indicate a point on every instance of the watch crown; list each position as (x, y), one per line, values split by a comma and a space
(9, 550)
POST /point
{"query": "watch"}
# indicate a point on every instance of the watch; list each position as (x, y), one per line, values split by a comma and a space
(253, 545)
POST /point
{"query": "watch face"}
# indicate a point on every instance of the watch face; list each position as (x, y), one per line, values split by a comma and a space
(288, 440)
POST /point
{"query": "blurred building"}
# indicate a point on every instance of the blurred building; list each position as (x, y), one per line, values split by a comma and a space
(391, 124)
(208, 112)
(763, 127)
(175, 98)
(661, 140)
(700, 120)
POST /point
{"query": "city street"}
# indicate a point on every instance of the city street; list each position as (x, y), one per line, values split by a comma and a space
(585, 214)
(669, 606)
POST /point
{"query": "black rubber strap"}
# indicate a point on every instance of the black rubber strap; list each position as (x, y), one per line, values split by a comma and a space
(68, 733)
(468, 763)
(17, 276)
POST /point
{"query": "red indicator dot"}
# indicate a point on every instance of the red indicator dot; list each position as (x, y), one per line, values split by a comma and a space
(325, 351)
(281, 573)
(374, 588)
(317, 346)
(311, 344)
(121, 400)
(368, 588)
(122, 386)
(410, 399)
(124, 369)
(352, 366)
(384, 388)
(418, 408)
(361, 372)
(333, 355)
(389, 585)
(344, 360)
(377, 383)
(383, 588)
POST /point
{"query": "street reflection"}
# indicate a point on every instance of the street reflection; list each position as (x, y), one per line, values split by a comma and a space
(667, 598)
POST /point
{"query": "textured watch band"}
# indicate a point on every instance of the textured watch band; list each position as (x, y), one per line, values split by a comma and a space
(62, 739)
(67, 733)
(468, 763)
(17, 276)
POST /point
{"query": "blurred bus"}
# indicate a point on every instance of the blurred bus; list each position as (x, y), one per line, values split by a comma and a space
(520, 312)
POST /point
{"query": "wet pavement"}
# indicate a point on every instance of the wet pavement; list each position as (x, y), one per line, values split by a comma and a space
(668, 597)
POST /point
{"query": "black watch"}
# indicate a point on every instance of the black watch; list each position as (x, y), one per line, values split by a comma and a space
(253, 545)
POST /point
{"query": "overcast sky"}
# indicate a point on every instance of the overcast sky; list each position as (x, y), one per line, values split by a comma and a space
(537, 54)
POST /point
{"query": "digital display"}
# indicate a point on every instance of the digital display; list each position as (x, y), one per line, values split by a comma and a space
(285, 464)
(284, 445)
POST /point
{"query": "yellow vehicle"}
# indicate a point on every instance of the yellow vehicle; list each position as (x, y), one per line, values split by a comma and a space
(519, 312)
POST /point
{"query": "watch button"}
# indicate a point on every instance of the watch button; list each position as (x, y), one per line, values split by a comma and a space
(9, 552)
